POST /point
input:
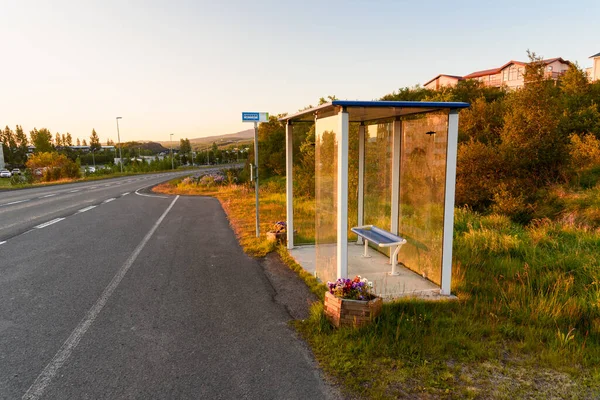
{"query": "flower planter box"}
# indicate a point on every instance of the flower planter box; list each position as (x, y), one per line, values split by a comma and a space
(277, 237)
(356, 313)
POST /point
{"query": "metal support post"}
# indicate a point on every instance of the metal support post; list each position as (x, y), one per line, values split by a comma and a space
(451, 155)
(289, 184)
(256, 175)
(361, 178)
(342, 195)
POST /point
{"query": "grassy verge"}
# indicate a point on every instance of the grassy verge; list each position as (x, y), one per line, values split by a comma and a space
(5, 183)
(526, 325)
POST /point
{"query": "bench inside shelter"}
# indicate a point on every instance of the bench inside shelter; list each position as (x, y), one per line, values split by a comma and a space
(381, 238)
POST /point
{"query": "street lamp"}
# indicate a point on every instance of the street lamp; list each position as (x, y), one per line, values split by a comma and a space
(172, 163)
(119, 137)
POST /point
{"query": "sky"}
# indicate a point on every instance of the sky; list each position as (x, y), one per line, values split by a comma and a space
(191, 67)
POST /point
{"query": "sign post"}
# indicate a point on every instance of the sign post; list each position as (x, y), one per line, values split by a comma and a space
(255, 117)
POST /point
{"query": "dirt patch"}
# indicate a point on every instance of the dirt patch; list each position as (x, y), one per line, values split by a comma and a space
(291, 291)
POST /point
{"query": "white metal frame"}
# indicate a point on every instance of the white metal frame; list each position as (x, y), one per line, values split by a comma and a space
(396, 140)
(342, 195)
(342, 192)
(289, 184)
(361, 178)
(451, 154)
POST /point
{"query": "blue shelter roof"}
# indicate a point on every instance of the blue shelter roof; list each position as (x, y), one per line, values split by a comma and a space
(362, 111)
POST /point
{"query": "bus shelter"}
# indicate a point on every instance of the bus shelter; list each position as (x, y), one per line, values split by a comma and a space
(384, 164)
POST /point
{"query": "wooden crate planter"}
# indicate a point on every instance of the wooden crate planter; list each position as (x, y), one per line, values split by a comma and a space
(356, 313)
(277, 237)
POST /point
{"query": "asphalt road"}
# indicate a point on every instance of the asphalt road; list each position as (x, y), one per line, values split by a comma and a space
(109, 293)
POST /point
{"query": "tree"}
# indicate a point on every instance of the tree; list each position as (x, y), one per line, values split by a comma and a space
(531, 140)
(271, 147)
(42, 140)
(7, 138)
(69, 140)
(482, 121)
(215, 153)
(416, 93)
(185, 149)
(580, 105)
(94, 141)
(57, 140)
(78, 142)
(21, 142)
(94, 145)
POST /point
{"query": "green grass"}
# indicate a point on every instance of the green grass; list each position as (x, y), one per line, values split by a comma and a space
(526, 323)
(528, 313)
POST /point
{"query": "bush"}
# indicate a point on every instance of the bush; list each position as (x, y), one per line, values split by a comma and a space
(585, 153)
(56, 166)
(17, 180)
(479, 167)
(234, 175)
(274, 185)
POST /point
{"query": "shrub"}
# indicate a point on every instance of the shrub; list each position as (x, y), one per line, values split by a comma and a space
(56, 166)
(16, 180)
(479, 167)
(584, 151)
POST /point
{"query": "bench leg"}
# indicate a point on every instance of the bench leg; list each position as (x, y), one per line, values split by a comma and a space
(394, 260)
(366, 252)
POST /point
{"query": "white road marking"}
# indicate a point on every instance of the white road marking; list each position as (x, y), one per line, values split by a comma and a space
(3, 242)
(45, 224)
(75, 191)
(36, 390)
(125, 194)
(108, 200)
(14, 202)
(48, 195)
(86, 209)
(93, 187)
(148, 195)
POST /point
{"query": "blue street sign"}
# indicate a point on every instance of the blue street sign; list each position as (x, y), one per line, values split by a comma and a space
(255, 117)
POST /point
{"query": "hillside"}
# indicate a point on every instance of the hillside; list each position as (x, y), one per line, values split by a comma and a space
(221, 140)
(153, 147)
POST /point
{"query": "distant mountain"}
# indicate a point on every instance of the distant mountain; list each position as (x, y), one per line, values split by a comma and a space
(154, 147)
(221, 140)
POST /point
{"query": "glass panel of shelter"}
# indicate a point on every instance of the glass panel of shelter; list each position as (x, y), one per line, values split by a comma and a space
(326, 148)
(304, 184)
(422, 188)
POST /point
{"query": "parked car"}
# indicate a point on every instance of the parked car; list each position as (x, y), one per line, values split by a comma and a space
(5, 173)
(16, 171)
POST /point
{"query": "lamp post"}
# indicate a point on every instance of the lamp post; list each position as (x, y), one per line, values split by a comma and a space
(119, 138)
(172, 162)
